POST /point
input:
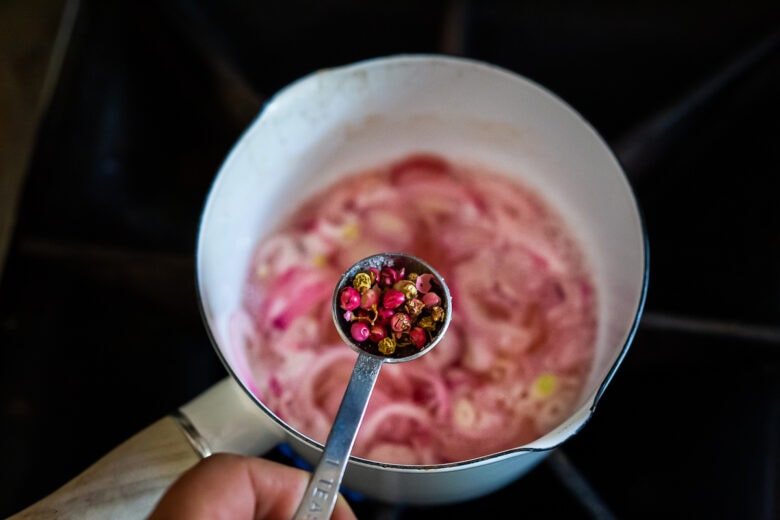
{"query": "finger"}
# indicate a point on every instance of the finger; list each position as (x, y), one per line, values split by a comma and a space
(233, 486)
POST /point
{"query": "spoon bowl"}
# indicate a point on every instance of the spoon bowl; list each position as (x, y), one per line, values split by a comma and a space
(399, 263)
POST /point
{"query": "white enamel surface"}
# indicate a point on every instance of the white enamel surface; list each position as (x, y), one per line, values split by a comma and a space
(341, 121)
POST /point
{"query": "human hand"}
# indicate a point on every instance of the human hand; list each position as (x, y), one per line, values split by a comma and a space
(238, 487)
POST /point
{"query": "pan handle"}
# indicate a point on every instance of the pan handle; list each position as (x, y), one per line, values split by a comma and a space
(127, 482)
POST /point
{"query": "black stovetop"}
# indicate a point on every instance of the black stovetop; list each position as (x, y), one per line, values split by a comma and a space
(99, 325)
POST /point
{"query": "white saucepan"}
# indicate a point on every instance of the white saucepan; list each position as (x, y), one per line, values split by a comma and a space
(337, 121)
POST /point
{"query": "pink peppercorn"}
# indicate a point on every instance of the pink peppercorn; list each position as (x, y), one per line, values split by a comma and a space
(349, 298)
(418, 337)
(377, 333)
(359, 331)
(431, 299)
(369, 298)
(384, 315)
(392, 299)
(423, 282)
(389, 276)
(400, 322)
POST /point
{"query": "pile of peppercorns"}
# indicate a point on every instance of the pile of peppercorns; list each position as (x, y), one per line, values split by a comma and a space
(390, 310)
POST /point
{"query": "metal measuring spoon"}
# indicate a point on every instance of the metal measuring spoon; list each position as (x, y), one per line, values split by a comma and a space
(320, 496)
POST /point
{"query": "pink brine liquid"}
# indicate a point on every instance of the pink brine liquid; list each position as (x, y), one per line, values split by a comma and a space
(520, 344)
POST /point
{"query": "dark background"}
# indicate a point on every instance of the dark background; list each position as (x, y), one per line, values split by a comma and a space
(100, 332)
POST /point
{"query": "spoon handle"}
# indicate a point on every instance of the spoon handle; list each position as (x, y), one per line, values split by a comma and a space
(320, 496)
